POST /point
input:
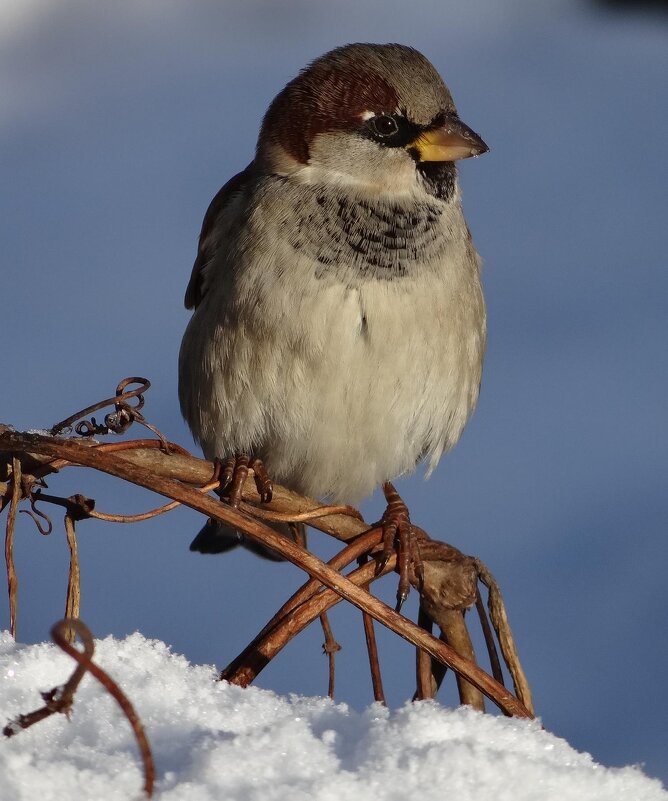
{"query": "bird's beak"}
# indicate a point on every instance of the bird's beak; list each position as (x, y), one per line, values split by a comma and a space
(450, 142)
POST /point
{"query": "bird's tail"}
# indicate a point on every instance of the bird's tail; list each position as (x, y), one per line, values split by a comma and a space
(215, 537)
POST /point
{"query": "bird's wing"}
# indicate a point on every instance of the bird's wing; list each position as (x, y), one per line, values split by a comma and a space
(209, 238)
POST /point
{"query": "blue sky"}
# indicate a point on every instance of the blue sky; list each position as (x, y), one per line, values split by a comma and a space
(119, 123)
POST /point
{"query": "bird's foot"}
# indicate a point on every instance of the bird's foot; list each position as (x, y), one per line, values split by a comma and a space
(232, 473)
(399, 536)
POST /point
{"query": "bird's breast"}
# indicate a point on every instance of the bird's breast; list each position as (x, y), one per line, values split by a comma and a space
(368, 376)
(352, 237)
(340, 350)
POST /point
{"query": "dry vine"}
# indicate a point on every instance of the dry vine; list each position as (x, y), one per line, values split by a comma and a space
(61, 698)
(450, 583)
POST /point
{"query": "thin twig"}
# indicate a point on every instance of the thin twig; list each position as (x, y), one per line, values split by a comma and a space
(81, 507)
(425, 681)
(73, 599)
(372, 646)
(36, 515)
(494, 662)
(374, 664)
(329, 647)
(497, 612)
(138, 518)
(299, 517)
(134, 444)
(12, 578)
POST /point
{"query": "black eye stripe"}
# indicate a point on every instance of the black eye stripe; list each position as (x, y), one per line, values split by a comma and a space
(390, 130)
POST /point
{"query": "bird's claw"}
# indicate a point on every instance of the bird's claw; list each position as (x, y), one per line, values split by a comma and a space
(233, 474)
(399, 537)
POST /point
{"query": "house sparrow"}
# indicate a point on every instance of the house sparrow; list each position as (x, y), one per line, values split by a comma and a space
(339, 325)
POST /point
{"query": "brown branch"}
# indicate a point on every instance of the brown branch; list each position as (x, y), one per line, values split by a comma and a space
(178, 464)
(129, 466)
(279, 630)
(345, 557)
(242, 673)
(455, 633)
(277, 634)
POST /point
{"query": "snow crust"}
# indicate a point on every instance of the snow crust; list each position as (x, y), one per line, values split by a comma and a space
(211, 740)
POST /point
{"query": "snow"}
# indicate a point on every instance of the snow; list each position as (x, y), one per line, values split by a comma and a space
(212, 740)
(119, 122)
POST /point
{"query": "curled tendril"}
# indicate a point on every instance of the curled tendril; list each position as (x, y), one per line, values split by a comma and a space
(36, 514)
(117, 422)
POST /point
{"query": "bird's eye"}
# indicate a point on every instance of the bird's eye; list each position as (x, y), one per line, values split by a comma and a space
(383, 125)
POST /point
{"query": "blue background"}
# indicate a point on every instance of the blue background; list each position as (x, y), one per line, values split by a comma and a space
(118, 124)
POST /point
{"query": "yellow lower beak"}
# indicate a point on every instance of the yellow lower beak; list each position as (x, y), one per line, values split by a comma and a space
(452, 141)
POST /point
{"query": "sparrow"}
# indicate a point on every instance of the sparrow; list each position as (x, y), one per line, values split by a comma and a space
(338, 331)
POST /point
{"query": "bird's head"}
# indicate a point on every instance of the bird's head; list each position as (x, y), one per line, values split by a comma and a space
(375, 116)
